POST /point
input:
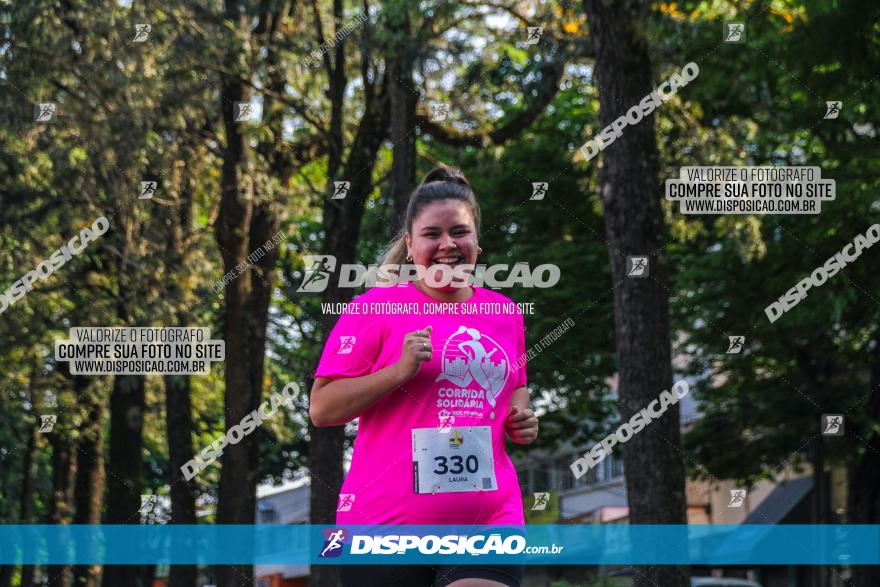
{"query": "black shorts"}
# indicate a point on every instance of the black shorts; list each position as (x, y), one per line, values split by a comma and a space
(426, 575)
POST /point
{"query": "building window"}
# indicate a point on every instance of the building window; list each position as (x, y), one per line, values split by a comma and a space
(541, 478)
(566, 477)
(268, 515)
(616, 467)
(606, 470)
(591, 477)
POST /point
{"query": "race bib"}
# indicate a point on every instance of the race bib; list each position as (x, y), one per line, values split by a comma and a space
(456, 460)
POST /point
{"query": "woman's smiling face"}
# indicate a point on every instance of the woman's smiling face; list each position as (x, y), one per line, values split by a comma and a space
(443, 234)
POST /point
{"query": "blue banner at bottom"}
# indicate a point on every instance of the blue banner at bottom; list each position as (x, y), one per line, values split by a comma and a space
(447, 544)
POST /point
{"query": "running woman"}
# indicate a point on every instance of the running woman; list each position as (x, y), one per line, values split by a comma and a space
(436, 394)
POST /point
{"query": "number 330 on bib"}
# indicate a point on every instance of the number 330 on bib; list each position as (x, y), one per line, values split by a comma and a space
(453, 461)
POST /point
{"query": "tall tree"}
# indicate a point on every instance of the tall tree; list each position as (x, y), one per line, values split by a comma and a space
(404, 97)
(178, 388)
(26, 507)
(818, 357)
(864, 495)
(630, 189)
(342, 224)
(63, 475)
(90, 475)
(246, 221)
(125, 465)
(236, 498)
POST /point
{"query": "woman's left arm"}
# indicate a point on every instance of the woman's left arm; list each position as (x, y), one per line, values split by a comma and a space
(521, 423)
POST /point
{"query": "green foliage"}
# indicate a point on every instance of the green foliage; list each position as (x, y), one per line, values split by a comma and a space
(762, 407)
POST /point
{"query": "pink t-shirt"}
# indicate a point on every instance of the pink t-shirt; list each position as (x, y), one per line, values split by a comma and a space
(471, 368)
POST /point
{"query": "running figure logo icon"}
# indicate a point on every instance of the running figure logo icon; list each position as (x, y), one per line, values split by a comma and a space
(245, 111)
(441, 111)
(147, 504)
(636, 266)
(341, 189)
(45, 112)
(141, 33)
(736, 344)
(832, 424)
(541, 500)
(148, 189)
(737, 498)
(333, 540)
(534, 34)
(735, 32)
(466, 359)
(346, 345)
(346, 500)
(446, 421)
(832, 109)
(539, 189)
(47, 423)
(318, 269)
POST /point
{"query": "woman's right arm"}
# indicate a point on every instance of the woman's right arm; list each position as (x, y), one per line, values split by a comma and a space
(336, 402)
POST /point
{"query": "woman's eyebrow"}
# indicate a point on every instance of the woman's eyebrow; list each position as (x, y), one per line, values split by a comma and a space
(424, 228)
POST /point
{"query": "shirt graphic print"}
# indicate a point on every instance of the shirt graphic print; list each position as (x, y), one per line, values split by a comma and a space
(468, 382)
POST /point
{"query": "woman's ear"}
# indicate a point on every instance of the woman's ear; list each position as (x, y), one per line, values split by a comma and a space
(408, 240)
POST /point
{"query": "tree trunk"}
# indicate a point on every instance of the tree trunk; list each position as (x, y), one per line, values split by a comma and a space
(864, 481)
(631, 193)
(180, 449)
(819, 503)
(28, 477)
(241, 226)
(238, 475)
(178, 409)
(63, 474)
(125, 469)
(90, 476)
(342, 230)
(27, 492)
(179, 426)
(404, 98)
